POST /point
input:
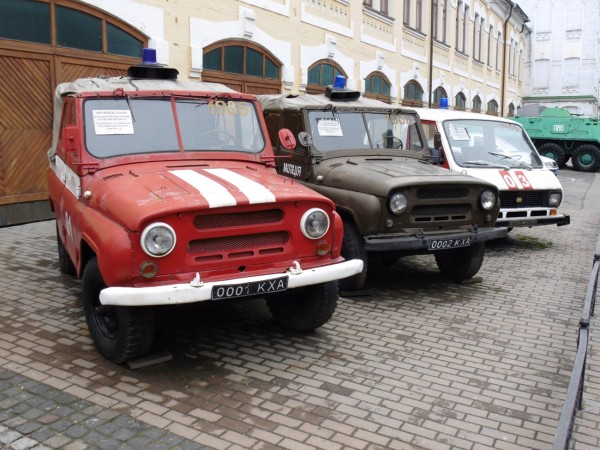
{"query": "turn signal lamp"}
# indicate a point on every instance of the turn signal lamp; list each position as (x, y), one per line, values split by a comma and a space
(322, 247)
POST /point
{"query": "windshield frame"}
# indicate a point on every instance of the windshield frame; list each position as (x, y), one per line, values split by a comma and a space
(360, 134)
(127, 129)
(485, 143)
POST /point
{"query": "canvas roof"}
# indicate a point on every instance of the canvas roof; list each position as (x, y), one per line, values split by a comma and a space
(284, 101)
(128, 84)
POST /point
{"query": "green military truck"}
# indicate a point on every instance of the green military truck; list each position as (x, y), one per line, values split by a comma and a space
(561, 136)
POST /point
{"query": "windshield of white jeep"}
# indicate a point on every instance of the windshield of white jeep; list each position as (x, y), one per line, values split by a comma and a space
(354, 130)
(125, 126)
(490, 143)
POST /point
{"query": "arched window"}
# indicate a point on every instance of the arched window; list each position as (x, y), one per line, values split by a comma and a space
(476, 104)
(438, 94)
(492, 107)
(71, 26)
(511, 110)
(460, 101)
(243, 66)
(322, 74)
(413, 94)
(377, 86)
(43, 43)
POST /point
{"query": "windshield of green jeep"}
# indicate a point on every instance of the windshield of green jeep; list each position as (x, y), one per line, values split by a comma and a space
(126, 126)
(492, 143)
(333, 130)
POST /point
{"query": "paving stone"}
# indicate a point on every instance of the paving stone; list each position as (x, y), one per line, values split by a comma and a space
(405, 366)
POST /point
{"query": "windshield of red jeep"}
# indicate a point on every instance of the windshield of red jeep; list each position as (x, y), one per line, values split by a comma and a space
(333, 130)
(125, 126)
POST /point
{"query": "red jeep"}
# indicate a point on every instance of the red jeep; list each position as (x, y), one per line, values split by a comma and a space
(165, 193)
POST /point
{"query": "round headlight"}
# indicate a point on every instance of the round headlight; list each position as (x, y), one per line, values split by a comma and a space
(487, 200)
(158, 239)
(314, 223)
(398, 203)
(554, 199)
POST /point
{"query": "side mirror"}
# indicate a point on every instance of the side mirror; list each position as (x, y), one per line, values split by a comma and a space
(287, 139)
(437, 152)
(70, 138)
(437, 156)
(437, 140)
(70, 142)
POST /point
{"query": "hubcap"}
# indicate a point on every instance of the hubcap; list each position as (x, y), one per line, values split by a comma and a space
(550, 155)
(586, 159)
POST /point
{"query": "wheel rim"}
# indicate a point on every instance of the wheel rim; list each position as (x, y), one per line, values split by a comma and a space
(549, 155)
(586, 159)
(105, 317)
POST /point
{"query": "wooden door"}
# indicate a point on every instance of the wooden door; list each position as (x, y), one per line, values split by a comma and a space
(25, 126)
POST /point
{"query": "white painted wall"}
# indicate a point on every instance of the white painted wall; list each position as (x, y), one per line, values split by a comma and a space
(565, 54)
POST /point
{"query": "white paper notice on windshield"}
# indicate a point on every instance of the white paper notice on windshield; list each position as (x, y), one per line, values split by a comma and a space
(112, 121)
(329, 127)
(459, 133)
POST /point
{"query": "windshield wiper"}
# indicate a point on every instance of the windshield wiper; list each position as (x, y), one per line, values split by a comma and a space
(511, 159)
(485, 164)
(500, 155)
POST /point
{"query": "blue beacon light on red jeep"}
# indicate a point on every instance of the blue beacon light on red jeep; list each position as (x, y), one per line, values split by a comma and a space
(150, 69)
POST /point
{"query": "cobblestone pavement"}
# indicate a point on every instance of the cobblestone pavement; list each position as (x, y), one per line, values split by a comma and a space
(416, 362)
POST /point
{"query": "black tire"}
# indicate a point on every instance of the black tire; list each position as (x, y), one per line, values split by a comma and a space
(120, 333)
(554, 151)
(306, 308)
(461, 263)
(65, 264)
(586, 158)
(353, 247)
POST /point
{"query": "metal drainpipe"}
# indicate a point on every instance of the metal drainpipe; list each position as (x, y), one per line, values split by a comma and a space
(431, 53)
(505, 31)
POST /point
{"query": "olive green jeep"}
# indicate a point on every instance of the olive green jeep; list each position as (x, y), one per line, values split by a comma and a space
(372, 160)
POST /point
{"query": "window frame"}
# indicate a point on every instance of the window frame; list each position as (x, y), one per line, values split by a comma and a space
(492, 108)
(379, 95)
(476, 104)
(462, 104)
(313, 88)
(89, 10)
(407, 90)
